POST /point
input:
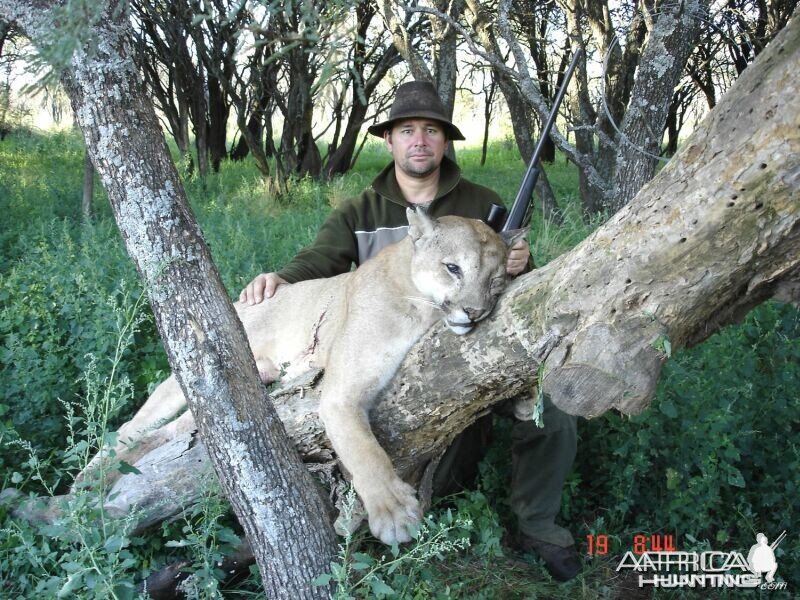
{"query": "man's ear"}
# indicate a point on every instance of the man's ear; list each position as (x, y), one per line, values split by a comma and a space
(387, 138)
(419, 223)
(512, 236)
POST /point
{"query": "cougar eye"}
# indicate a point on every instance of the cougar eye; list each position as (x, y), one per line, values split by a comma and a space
(454, 269)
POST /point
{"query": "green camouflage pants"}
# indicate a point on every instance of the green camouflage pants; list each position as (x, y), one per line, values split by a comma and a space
(541, 460)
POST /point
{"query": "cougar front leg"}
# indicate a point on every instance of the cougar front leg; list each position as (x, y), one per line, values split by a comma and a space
(391, 504)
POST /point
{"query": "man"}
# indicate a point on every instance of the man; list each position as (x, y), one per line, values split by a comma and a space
(417, 134)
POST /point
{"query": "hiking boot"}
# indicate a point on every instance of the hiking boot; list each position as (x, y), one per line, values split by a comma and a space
(563, 564)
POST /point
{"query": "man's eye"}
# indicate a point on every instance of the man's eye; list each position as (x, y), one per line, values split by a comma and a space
(454, 269)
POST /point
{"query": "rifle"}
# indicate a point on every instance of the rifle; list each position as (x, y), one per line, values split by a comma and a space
(520, 214)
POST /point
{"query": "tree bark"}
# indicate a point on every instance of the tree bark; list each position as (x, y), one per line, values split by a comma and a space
(714, 234)
(271, 492)
(518, 109)
(88, 188)
(671, 40)
(445, 64)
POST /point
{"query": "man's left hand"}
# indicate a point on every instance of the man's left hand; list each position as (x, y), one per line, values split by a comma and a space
(517, 258)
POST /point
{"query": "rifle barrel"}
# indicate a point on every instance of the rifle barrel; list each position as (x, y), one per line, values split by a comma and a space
(520, 210)
(778, 540)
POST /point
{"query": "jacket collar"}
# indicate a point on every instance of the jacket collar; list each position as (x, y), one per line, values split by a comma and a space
(385, 184)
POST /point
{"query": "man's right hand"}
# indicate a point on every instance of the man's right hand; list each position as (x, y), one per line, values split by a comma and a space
(263, 286)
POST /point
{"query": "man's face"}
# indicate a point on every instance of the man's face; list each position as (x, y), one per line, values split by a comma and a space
(417, 146)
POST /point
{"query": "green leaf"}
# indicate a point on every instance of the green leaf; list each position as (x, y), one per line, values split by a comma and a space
(379, 587)
(736, 478)
(668, 408)
(127, 468)
(73, 582)
(338, 571)
(322, 580)
(71, 567)
(673, 478)
(362, 557)
(227, 535)
(115, 543)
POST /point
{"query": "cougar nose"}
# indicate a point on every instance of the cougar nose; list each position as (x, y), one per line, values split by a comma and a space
(473, 313)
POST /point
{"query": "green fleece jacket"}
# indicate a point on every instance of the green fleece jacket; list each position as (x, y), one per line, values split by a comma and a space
(362, 226)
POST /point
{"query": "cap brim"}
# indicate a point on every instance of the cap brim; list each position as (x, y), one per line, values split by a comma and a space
(453, 133)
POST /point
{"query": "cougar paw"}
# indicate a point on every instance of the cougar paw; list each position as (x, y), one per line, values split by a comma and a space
(393, 512)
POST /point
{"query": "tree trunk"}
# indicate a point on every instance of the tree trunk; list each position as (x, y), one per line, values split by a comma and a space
(404, 42)
(271, 492)
(218, 112)
(714, 234)
(255, 129)
(445, 65)
(519, 113)
(361, 88)
(521, 126)
(88, 188)
(253, 143)
(201, 127)
(340, 160)
(670, 43)
(488, 94)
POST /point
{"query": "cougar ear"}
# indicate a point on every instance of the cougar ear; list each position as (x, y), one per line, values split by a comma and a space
(419, 223)
(512, 236)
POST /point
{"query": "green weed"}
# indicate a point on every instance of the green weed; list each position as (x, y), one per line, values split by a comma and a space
(396, 573)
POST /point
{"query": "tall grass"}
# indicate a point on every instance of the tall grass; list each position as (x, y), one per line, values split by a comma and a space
(713, 461)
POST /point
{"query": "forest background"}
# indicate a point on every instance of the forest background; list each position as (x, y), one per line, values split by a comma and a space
(706, 463)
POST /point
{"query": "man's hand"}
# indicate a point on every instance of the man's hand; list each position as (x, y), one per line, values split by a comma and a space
(263, 286)
(517, 258)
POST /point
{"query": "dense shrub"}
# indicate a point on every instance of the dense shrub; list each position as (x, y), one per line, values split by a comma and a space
(715, 458)
(61, 302)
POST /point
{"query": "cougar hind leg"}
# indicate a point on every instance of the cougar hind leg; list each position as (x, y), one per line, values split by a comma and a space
(267, 371)
(163, 405)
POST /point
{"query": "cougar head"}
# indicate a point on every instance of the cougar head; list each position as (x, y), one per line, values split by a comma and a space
(460, 265)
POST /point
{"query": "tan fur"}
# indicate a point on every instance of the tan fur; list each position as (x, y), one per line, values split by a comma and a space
(358, 327)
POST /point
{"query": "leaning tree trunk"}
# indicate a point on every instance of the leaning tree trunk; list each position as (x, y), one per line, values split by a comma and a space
(272, 493)
(714, 234)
